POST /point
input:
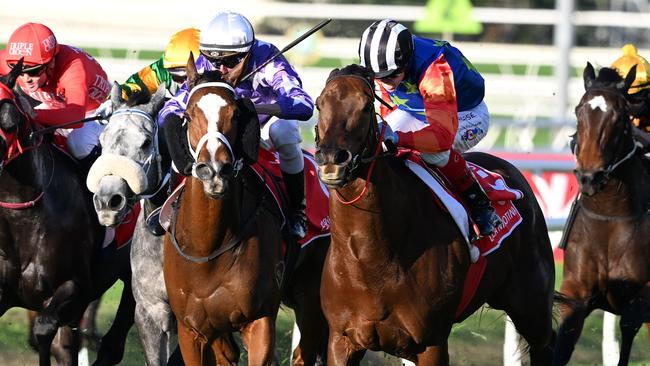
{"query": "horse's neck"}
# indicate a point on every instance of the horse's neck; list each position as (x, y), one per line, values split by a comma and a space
(626, 192)
(212, 221)
(25, 175)
(383, 207)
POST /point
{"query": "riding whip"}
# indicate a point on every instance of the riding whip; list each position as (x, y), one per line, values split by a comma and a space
(289, 46)
(54, 128)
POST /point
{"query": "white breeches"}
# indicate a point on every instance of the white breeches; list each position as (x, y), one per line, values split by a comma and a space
(81, 141)
(284, 136)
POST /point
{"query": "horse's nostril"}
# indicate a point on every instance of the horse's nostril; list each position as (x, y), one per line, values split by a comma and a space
(116, 202)
(203, 171)
(342, 157)
(318, 156)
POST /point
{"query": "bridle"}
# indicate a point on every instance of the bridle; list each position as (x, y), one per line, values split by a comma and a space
(15, 148)
(153, 160)
(606, 171)
(215, 135)
(370, 153)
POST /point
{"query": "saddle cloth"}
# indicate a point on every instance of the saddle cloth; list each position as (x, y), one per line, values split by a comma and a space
(267, 168)
(501, 197)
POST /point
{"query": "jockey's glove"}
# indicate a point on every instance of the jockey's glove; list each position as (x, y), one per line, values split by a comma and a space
(104, 111)
(389, 134)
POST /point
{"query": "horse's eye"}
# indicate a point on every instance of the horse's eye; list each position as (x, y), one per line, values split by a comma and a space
(146, 144)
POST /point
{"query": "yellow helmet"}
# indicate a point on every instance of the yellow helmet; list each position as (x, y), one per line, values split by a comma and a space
(180, 45)
(624, 64)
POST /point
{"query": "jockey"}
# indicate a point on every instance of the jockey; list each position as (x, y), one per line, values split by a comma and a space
(229, 40)
(68, 82)
(433, 87)
(639, 91)
(169, 69)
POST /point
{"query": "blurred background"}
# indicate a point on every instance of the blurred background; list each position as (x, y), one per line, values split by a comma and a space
(530, 52)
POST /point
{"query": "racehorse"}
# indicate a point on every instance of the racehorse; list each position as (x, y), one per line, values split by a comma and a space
(49, 240)
(223, 263)
(607, 258)
(130, 169)
(395, 269)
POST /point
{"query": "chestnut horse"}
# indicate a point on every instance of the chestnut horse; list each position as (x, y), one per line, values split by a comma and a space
(50, 238)
(607, 258)
(223, 258)
(394, 273)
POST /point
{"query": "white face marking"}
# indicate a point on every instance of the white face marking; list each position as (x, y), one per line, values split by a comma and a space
(211, 105)
(598, 102)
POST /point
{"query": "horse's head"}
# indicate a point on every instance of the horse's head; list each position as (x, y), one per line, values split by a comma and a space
(130, 162)
(347, 131)
(13, 116)
(223, 131)
(604, 132)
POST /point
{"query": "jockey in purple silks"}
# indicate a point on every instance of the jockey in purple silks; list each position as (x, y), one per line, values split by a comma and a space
(276, 90)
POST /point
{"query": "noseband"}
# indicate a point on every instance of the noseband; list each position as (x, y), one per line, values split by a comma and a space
(154, 157)
(217, 135)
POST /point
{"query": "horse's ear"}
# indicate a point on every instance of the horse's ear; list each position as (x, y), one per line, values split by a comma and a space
(175, 134)
(589, 75)
(14, 74)
(248, 131)
(158, 98)
(233, 77)
(192, 74)
(629, 80)
(116, 94)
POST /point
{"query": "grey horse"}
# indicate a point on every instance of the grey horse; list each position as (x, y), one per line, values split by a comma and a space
(129, 169)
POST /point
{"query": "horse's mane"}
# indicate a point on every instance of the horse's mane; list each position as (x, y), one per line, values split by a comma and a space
(355, 70)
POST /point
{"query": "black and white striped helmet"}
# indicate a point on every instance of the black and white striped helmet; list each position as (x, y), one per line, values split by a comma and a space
(385, 46)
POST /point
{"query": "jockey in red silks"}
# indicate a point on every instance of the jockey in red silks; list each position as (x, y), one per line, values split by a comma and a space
(440, 111)
(67, 81)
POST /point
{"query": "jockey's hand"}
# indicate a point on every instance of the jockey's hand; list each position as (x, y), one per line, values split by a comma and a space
(389, 135)
(104, 111)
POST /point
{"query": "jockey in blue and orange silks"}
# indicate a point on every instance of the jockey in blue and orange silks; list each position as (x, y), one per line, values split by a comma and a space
(227, 41)
(440, 111)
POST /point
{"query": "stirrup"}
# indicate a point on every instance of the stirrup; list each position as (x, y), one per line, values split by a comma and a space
(153, 222)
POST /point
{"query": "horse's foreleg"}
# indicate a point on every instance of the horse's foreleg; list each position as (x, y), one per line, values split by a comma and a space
(156, 341)
(111, 348)
(632, 317)
(259, 337)
(225, 350)
(193, 346)
(573, 319)
(65, 307)
(340, 351)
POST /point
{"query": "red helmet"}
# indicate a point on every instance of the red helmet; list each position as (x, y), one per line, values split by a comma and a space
(34, 42)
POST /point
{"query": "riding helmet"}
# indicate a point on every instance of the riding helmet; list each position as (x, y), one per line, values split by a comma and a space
(227, 33)
(34, 42)
(180, 45)
(630, 58)
(385, 46)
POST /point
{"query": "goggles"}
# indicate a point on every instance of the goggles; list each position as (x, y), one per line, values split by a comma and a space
(228, 59)
(31, 70)
(178, 72)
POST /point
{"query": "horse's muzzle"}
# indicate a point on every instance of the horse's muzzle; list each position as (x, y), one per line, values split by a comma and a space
(591, 181)
(333, 166)
(215, 181)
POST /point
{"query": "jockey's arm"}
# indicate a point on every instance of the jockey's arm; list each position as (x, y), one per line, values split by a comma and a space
(269, 109)
(437, 90)
(74, 82)
(176, 105)
(291, 98)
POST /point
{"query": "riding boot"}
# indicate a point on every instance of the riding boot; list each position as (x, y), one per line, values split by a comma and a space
(463, 181)
(295, 184)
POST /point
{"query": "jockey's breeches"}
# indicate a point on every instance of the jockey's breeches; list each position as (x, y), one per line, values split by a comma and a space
(284, 136)
(81, 141)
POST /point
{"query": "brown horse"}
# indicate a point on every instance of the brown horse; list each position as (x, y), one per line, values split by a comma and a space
(223, 258)
(394, 273)
(607, 259)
